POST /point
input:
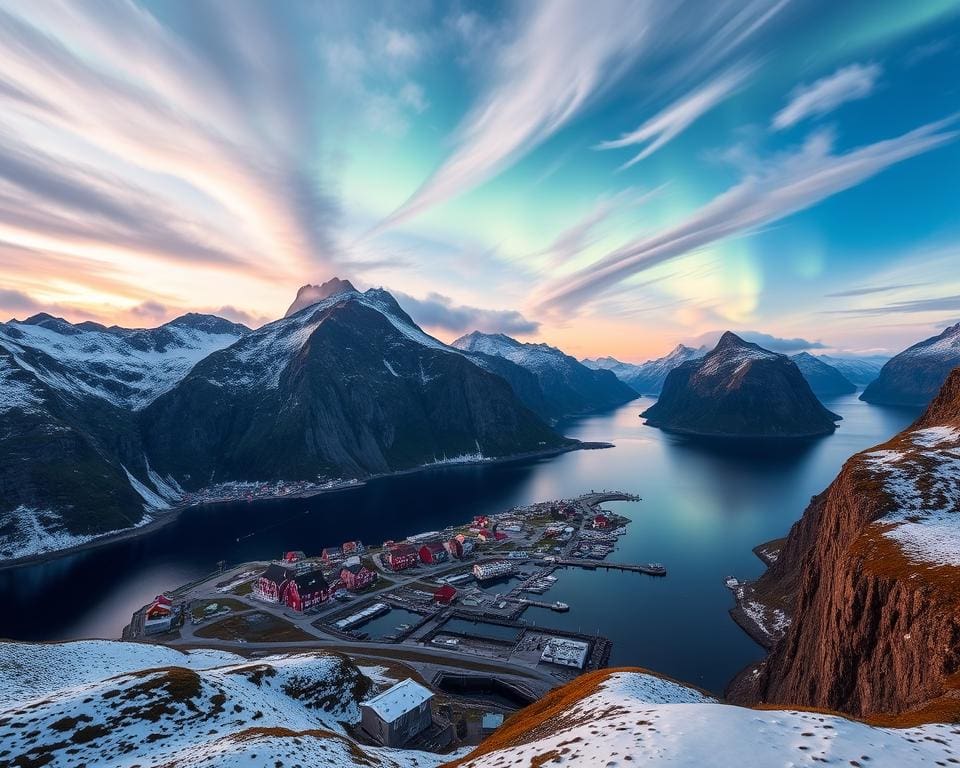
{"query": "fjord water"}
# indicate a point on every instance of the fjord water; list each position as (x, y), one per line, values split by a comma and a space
(705, 505)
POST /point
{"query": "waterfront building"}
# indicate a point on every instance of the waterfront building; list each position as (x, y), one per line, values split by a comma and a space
(495, 570)
(402, 556)
(565, 652)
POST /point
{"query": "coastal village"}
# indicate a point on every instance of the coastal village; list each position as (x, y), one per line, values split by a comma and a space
(445, 609)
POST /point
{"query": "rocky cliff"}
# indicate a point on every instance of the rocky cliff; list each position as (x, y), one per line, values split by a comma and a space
(739, 389)
(871, 574)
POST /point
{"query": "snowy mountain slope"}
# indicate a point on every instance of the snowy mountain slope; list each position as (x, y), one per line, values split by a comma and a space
(860, 370)
(740, 389)
(125, 704)
(628, 718)
(824, 379)
(308, 295)
(346, 387)
(915, 375)
(128, 368)
(647, 378)
(568, 386)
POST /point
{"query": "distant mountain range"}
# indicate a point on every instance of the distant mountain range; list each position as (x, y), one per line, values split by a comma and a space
(824, 379)
(647, 378)
(101, 427)
(740, 389)
(915, 375)
(568, 387)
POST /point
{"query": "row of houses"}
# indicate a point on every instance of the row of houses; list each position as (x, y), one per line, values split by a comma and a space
(402, 556)
(303, 589)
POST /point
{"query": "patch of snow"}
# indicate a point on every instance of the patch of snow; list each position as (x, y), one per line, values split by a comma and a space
(390, 368)
(923, 483)
(638, 720)
(29, 532)
(16, 390)
(139, 704)
(167, 487)
(153, 500)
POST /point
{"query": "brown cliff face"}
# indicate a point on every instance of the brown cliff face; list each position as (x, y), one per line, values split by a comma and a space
(876, 615)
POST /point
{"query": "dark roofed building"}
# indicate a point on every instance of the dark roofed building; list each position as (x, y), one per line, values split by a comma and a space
(356, 576)
(306, 590)
(272, 582)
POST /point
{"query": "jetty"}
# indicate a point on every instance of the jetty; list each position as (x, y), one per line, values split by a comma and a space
(651, 569)
(558, 606)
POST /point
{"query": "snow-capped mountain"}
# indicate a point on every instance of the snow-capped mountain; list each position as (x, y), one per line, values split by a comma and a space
(859, 370)
(740, 389)
(568, 386)
(345, 387)
(824, 379)
(915, 375)
(126, 367)
(647, 378)
(117, 705)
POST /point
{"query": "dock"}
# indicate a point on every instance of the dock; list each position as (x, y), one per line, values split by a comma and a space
(557, 606)
(651, 569)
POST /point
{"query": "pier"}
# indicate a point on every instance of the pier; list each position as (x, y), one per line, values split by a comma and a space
(557, 606)
(651, 569)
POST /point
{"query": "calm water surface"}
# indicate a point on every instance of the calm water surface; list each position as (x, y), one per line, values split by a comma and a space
(705, 506)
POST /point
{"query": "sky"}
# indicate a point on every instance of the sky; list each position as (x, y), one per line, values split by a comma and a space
(612, 178)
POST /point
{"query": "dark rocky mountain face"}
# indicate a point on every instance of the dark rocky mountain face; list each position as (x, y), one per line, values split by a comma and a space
(860, 370)
(312, 294)
(568, 386)
(870, 578)
(824, 379)
(915, 375)
(740, 390)
(346, 387)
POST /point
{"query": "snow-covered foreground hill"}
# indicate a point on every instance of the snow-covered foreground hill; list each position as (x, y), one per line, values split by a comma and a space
(120, 705)
(111, 704)
(622, 719)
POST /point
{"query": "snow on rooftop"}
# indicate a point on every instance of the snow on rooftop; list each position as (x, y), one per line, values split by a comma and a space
(569, 653)
(394, 702)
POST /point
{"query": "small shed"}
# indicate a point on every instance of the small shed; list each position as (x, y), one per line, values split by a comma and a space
(398, 714)
(445, 594)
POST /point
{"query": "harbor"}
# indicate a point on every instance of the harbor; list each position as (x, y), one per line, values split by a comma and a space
(462, 591)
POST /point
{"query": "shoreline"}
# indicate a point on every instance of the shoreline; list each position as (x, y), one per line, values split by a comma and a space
(165, 517)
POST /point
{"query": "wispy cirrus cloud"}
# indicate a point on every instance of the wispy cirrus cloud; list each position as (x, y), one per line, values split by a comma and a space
(871, 290)
(675, 119)
(791, 182)
(212, 136)
(851, 83)
(561, 61)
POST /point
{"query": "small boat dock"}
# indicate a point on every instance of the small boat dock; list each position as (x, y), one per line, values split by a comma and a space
(651, 569)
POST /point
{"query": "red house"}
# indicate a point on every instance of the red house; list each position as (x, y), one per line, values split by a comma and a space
(306, 590)
(402, 556)
(445, 595)
(454, 548)
(500, 535)
(351, 548)
(433, 552)
(481, 521)
(484, 535)
(160, 608)
(357, 576)
(601, 521)
(293, 556)
(272, 583)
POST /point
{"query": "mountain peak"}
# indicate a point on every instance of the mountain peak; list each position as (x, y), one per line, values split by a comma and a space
(730, 340)
(209, 323)
(308, 294)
